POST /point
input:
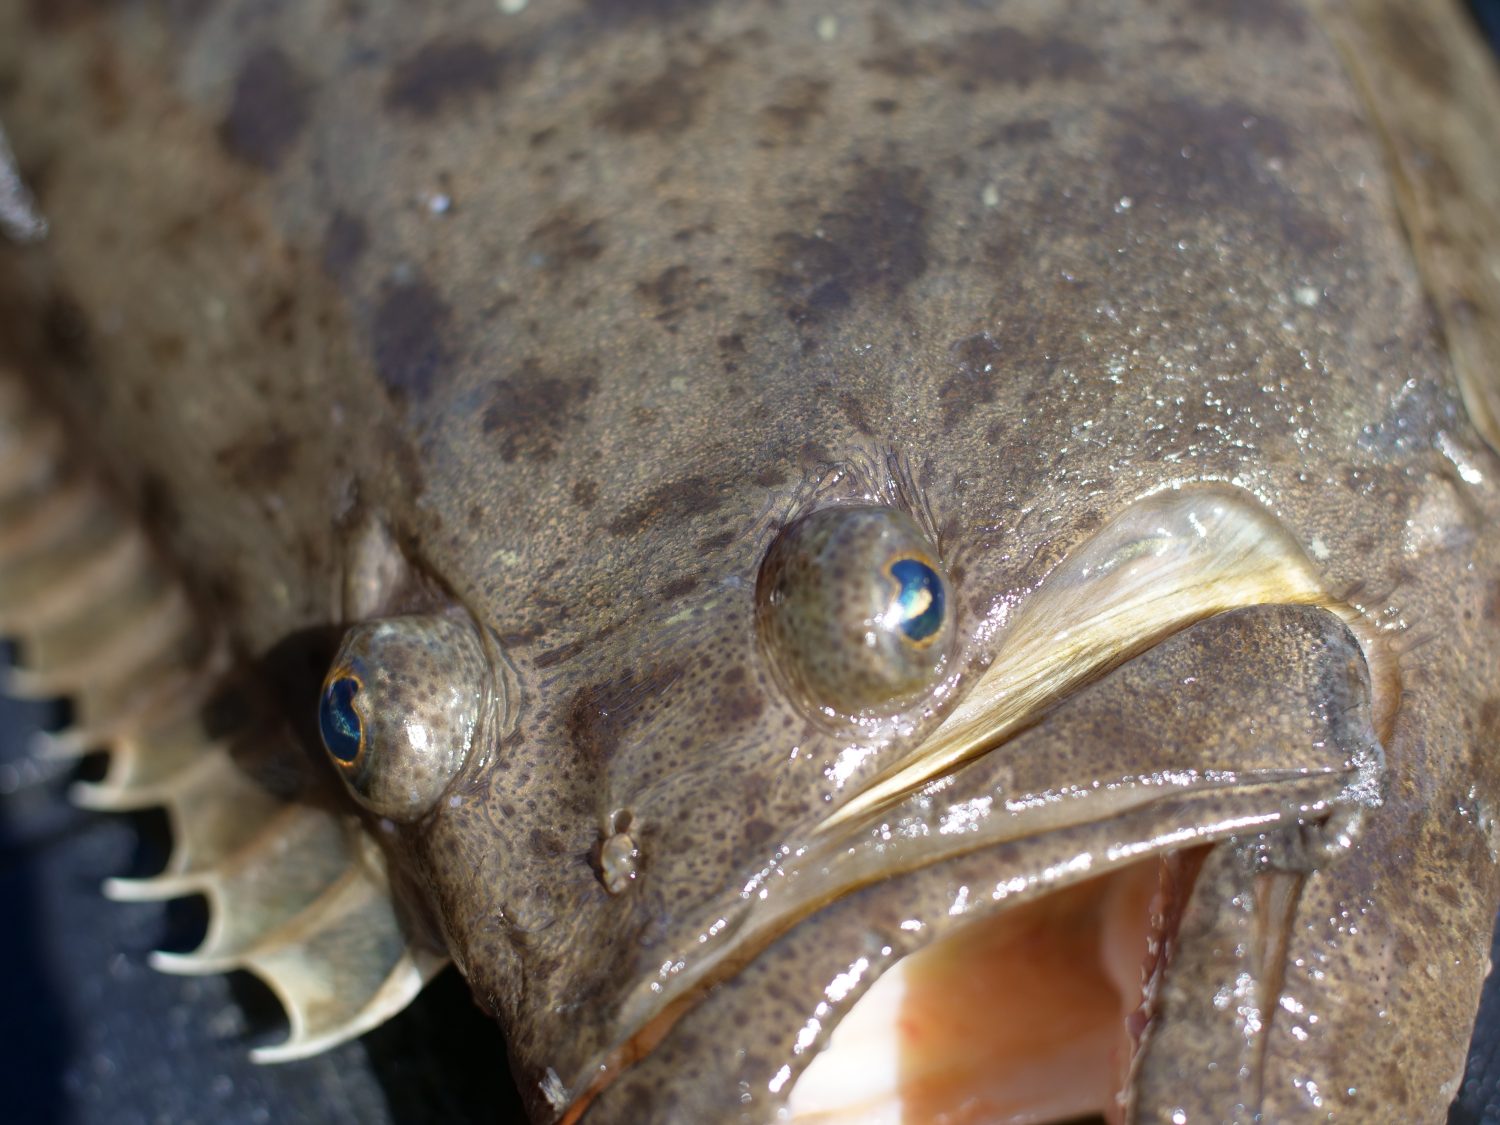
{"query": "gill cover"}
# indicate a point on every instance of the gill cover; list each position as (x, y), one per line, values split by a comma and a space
(402, 708)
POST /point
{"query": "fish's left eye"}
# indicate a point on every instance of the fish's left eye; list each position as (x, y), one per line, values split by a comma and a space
(402, 708)
(855, 610)
(338, 720)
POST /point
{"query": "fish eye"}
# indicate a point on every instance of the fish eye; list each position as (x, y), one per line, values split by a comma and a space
(402, 708)
(855, 609)
(338, 719)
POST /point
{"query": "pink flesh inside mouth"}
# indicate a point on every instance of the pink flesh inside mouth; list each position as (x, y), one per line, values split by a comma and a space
(1033, 1015)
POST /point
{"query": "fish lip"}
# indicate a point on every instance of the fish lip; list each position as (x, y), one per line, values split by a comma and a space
(595, 1078)
(1302, 793)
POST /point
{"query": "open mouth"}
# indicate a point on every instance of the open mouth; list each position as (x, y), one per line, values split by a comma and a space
(1032, 1015)
(1181, 679)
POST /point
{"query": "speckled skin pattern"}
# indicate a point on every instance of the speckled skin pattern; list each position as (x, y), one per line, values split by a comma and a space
(424, 688)
(583, 304)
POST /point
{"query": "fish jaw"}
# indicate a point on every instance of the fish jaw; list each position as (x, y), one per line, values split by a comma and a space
(784, 1003)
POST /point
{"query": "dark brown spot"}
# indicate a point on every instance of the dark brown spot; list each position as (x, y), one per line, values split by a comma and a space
(802, 99)
(344, 244)
(268, 110)
(166, 349)
(874, 241)
(546, 845)
(58, 15)
(601, 714)
(671, 292)
(1257, 15)
(408, 341)
(1492, 602)
(107, 87)
(716, 542)
(976, 379)
(259, 463)
(665, 104)
(565, 240)
(677, 588)
(65, 330)
(531, 412)
(621, 11)
(680, 500)
(854, 411)
(1029, 130)
(1187, 157)
(999, 56)
(586, 492)
(278, 321)
(444, 72)
(159, 507)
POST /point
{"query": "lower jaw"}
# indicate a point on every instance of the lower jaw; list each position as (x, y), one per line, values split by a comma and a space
(1032, 1015)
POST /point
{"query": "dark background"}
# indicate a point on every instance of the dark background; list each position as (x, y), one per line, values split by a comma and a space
(89, 1034)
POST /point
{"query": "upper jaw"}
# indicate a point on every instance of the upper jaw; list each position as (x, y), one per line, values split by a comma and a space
(1067, 800)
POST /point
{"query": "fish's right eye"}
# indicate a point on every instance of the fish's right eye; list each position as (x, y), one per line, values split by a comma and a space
(856, 609)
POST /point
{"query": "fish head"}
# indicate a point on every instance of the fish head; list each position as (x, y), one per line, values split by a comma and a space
(974, 499)
(854, 570)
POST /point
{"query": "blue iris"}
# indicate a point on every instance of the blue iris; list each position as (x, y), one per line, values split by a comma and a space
(338, 721)
(920, 598)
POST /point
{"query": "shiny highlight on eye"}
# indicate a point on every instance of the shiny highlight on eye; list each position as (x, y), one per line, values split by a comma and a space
(338, 721)
(918, 604)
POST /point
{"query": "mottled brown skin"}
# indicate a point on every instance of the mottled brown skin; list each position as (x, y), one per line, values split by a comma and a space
(1014, 268)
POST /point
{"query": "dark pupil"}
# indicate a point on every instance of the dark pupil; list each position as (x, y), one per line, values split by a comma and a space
(920, 598)
(338, 721)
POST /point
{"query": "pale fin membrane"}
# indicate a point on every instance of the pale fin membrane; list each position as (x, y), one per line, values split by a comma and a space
(297, 895)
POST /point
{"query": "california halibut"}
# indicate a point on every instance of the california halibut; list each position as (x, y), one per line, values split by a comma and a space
(719, 518)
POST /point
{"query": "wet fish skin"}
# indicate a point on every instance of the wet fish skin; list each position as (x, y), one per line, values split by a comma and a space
(581, 303)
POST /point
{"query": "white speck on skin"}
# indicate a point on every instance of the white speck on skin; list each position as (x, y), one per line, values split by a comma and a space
(828, 28)
(990, 196)
(1307, 296)
(1455, 454)
(1125, 204)
(1319, 549)
(511, 7)
(554, 1091)
(439, 203)
(18, 216)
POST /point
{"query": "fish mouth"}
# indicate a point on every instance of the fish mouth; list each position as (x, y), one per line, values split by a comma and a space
(1088, 858)
(1033, 1014)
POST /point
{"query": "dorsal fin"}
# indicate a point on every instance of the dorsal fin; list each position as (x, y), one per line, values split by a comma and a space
(297, 895)
(1431, 86)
